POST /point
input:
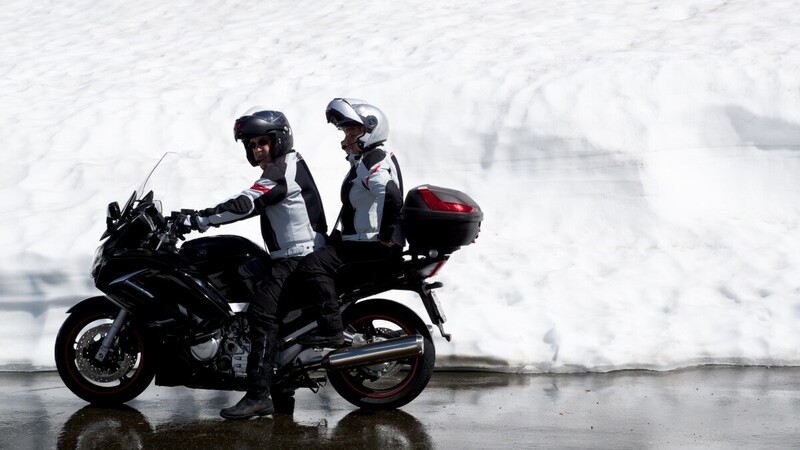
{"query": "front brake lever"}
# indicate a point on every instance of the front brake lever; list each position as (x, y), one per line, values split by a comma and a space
(175, 230)
(175, 226)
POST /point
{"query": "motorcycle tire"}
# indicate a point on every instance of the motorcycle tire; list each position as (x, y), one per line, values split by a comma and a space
(125, 373)
(389, 385)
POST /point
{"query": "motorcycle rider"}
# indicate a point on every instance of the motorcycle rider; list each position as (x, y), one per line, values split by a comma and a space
(372, 195)
(292, 225)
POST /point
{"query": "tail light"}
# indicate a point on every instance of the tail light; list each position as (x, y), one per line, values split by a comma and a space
(436, 204)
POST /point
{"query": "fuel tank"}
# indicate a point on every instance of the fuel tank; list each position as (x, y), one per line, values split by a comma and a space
(232, 264)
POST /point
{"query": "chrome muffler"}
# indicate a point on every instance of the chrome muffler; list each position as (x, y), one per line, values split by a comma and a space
(374, 353)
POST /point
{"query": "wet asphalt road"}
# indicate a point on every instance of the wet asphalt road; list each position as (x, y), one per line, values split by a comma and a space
(706, 408)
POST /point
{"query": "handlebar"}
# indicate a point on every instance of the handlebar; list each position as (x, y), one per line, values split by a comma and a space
(174, 229)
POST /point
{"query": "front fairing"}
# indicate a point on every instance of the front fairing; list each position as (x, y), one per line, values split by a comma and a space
(157, 285)
(140, 266)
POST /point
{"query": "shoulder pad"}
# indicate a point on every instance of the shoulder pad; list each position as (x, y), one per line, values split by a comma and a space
(373, 157)
(275, 170)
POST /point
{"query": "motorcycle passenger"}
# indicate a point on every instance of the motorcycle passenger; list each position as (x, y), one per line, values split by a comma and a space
(372, 195)
(292, 225)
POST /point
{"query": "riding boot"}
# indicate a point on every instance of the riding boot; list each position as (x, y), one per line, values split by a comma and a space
(257, 400)
(251, 405)
(322, 338)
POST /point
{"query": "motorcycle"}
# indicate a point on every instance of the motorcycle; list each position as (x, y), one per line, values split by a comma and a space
(173, 310)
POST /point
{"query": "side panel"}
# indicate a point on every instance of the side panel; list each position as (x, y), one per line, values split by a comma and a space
(158, 287)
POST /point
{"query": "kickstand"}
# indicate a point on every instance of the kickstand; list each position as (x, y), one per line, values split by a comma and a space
(310, 383)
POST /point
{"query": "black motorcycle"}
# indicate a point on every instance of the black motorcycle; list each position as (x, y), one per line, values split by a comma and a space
(174, 311)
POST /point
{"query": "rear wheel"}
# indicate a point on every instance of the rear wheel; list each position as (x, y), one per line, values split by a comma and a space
(127, 370)
(392, 384)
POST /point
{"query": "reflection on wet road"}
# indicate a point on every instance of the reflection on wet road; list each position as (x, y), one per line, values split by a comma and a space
(128, 428)
(699, 408)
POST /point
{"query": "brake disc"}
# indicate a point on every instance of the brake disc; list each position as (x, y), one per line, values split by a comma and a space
(116, 364)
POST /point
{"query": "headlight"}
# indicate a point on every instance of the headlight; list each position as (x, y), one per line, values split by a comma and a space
(98, 257)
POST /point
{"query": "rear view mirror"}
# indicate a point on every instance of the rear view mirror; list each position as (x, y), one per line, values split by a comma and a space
(112, 216)
(113, 211)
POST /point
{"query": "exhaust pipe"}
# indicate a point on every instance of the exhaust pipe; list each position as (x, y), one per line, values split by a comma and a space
(377, 352)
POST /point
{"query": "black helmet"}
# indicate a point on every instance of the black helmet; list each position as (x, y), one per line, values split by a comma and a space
(264, 123)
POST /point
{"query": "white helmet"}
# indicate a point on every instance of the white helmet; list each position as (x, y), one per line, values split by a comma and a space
(345, 112)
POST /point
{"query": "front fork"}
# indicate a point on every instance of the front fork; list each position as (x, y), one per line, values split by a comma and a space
(108, 341)
(433, 306)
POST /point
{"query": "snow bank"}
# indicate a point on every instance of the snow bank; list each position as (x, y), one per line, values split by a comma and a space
(636, 162)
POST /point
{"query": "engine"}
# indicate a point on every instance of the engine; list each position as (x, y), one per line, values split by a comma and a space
(226, 350)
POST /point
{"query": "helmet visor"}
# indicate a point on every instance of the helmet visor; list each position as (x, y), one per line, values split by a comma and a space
(250, 126)
(341, 114)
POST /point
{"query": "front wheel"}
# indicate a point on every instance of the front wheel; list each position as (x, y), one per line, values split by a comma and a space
(391, 384)
(128, 368)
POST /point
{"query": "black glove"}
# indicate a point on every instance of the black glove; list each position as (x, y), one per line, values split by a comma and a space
(179, 222)
(187, 220)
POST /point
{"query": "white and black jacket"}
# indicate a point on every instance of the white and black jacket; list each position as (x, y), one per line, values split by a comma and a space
(372, 196)
(292, 218)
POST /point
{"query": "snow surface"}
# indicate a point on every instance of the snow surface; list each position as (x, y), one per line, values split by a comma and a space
(637, 161)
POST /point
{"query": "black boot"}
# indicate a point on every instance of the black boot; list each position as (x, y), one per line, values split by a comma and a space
(251, 405)
(329, 329)
(283, 399)
(257, 401)
(322, 339)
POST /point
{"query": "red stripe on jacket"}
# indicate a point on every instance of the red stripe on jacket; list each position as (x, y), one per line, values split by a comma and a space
(260, 188)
